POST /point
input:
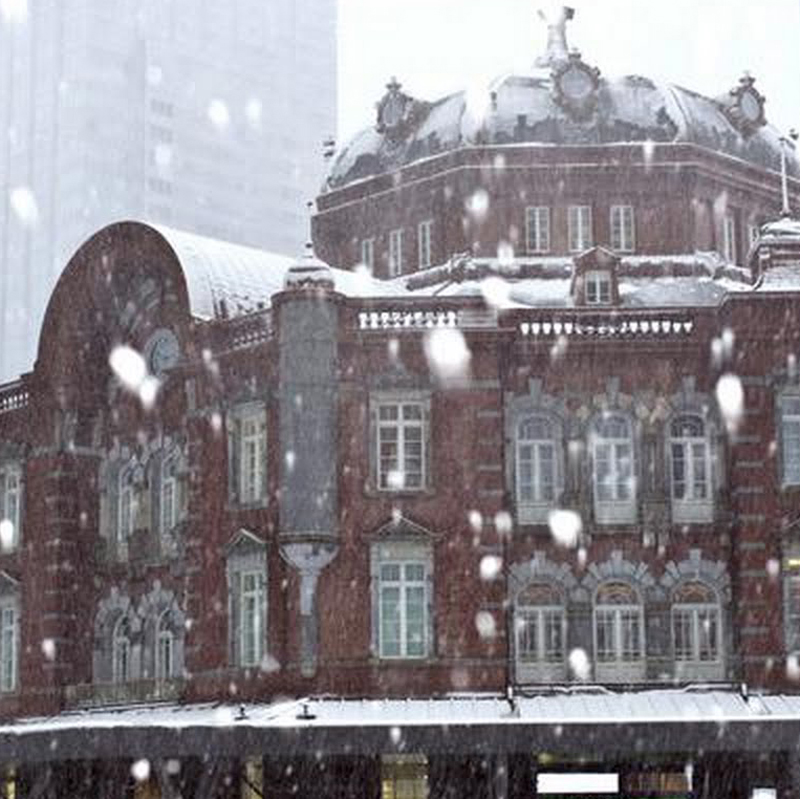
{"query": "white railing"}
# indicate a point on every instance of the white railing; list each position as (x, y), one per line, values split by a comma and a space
(616, 326)
(13, 396)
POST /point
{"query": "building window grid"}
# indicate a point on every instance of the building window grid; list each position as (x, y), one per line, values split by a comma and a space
(541, 634)
(121, 651)
(396, 253)
(404, 777)
(579, 223)
(253, 456)
(618, 632)
(536, 462)
(368, 253)
(10, 502)
(623, 233)
(251, 619)
(790, 439)
(401, 446)
(597, 283)
(9, 637)
(696, 633)
(126, 510)
(424, 237)
(169, 493)
(165, 648)
(403, 609)
(690, 461)
(729, 238)
(537, 229)
(613, 461)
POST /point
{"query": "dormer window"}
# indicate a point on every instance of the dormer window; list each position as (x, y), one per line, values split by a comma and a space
(598, 287)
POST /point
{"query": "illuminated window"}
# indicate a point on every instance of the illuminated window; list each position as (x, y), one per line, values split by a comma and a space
(404, 777)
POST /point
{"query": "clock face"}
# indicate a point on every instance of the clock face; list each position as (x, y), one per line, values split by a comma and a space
(750, 107)
(576, 84)
(163, 351)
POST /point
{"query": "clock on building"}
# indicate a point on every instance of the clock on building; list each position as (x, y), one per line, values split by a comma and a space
(162, 351)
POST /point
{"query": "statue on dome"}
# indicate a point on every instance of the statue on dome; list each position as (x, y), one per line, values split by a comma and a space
(557, 49)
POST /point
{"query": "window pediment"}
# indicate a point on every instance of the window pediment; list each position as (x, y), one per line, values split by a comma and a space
(244, 543)
(595, 278)
(403, 529)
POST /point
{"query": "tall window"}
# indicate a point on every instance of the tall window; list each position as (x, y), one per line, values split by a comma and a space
(791, 604)
(401, 445)
(622, 228)
(396, 253)
(597, 283)
(729, 238)
(121, 650)
(10, 502)
(165, 648)
(251, 621)
(619, 632)
(540, 626)
(169, 493)
(247, 454)
(690, 467)
(404, 777)
(695, 624)
(424, 243)
(614, 484)
(402, 597)
(790, 439)
(368, 253)
(126, 504)
(536, 466)
(537, 229)
(9, 649)
(579, 223)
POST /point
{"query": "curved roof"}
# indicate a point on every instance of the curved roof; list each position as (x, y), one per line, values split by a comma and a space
(523, 109)
(226, 280)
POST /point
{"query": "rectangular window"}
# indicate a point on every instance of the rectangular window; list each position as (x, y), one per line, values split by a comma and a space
(537, 229)
(126, 510)
(622, 228)
(790, 440)
(251, 619)
(169, 494)
(10, 505)
(401, 446)
(368, 253)
(8, 642)
(164, 655)
(598, 287)
(424, 232)
(403, 610)
(579, 223)
(729, 238)
(695, 632)
(792, 606)
(251, 432)
(396, 253)
(540, 635)
(404, 777)
(618, 634)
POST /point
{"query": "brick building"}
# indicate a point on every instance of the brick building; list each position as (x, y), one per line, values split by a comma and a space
(519, 498)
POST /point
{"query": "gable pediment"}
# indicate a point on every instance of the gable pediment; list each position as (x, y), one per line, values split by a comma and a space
(402, 529)
(245, 542)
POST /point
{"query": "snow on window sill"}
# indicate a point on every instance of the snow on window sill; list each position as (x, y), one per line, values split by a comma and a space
(692, 512)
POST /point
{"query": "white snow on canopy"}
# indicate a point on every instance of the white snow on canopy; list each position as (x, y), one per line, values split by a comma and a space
(587, 705)
(228, 280)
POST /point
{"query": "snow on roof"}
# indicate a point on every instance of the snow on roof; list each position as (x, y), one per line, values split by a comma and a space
(784, 227)
(228, 280)
(585, 705)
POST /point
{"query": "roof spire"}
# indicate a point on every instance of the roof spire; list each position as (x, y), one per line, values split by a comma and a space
(557, 49)
(786, 143)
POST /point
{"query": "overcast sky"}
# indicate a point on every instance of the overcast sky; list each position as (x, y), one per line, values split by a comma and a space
(439, 46)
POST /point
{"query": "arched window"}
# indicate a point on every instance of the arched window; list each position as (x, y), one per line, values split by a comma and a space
(536, 465)
(695, 624)
(121, 650)
(619, 632)
(690, 470)
(540, 625)
(165, 648)
(613, 476)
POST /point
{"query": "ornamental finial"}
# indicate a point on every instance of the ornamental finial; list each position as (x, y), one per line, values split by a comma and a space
(557, 49)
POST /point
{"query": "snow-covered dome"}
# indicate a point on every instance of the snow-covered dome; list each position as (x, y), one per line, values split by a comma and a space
(563, 101)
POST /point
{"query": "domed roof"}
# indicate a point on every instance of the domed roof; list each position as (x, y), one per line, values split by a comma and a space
(563, 101)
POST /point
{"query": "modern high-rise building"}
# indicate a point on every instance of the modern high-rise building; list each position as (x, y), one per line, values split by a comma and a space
(204, 115)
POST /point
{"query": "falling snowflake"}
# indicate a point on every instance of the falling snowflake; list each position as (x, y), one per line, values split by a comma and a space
(565, 527)
(503, 523)
(253, 111)
(475, 520)
(579, 664)
(496, 292)
(14, 10)
(218, 114)
(505, 254)
(448, 354)
(162, 154)
(154, 75)
(486, 625)
(290, 459)
(49, 649)
(477, 205)
(793, 668)
(730, 397)
(140, 770)
(24, 205)
(6, 535)
(131, 370)
(491, 565)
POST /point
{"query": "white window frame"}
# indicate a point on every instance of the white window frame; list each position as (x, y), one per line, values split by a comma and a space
(252, 456)
(396, 252)
(250, 635)
(170, 493)
(537, 229)
(579, 228)
(623, 228)
(11, 502)
(619, 666)
(791, 578)
(9, 646)
(693, 613)
(408, 434)
(597, 287)
(121, 669)
(618, 508)
(533, 505)
(789, 405)
(729, 248)
(690, 507)
(164, 642)
(545, 617)
(424, 243)
(368, 253)
(404, 585)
